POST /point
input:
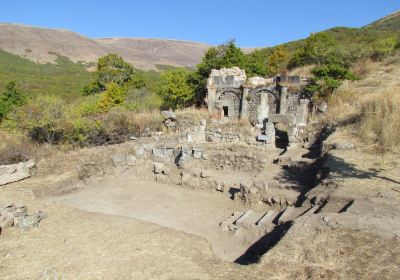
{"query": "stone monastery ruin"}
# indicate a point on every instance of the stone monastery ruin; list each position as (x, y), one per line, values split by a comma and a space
(263, 102)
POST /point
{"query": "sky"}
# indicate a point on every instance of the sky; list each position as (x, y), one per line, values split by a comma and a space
(252, 23)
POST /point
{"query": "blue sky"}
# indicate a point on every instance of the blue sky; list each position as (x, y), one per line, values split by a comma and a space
(252, 23)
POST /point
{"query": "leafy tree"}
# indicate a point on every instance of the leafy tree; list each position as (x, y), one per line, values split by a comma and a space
(225, 55)
(174, 88)
(113, 69)
(317, 49)
(277, 60)
(256, 63)
(11, 99)
(113, 96)
(327, 78)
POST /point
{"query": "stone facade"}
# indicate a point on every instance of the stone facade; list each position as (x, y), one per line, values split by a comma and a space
(232, 95)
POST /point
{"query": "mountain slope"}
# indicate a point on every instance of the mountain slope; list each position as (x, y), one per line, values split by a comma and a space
(390, 22)
(142, 51)
(45, 45)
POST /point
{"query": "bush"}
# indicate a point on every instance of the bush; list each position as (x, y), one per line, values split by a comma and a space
(174, 88)
(113, 96)
(383, 48)
(42, 118)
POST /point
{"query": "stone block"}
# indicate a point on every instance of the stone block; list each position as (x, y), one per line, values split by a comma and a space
(118, 160)
(158, 167)
(281, 118)
(130, 160)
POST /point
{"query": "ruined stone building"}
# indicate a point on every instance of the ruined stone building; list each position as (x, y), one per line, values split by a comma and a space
(261, 101)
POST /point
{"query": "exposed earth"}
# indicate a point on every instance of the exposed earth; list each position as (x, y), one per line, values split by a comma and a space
(108, 220)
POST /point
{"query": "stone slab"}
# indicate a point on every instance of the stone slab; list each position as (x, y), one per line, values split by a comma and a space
(281, 118)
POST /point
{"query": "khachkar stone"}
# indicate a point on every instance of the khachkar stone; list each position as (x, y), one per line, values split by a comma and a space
(262, 110)
(283, 101)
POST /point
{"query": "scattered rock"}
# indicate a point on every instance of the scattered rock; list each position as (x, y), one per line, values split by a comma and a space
(158, 168)
(31, 220)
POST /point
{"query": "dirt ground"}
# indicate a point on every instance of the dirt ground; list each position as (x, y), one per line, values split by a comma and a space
(125, 226)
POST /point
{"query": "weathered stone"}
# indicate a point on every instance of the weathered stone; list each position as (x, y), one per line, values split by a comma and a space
(21, 172)
(158, 167)
(6, 221)
(205, 174)
(130, 160)
(32, 220)
(286, 215)
(204, 156)
(118, 160)
(197, 152)
(139, 152)
(267, 218)
(322, 107)
(168, 115)
(243, 218)
(281, 118)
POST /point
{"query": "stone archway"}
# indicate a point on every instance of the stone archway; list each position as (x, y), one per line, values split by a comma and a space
(255, 96)
(230, 101)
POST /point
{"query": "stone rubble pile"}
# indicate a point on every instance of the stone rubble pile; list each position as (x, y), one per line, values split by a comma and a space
(17, 215)
(15, 172)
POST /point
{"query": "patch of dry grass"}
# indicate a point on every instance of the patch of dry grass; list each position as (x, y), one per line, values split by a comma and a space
(379, 122)
(15, 148)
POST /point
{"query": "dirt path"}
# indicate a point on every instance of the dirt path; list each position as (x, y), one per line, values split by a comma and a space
(194, 212)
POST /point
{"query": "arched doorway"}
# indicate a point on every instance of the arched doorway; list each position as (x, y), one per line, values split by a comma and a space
(255, 96)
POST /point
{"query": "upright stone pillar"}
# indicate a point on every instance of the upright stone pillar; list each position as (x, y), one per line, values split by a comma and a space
(302, 112)
(244, 112)
(283, 102)
(211, 96)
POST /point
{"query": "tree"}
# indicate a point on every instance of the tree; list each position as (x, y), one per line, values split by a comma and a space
(256, 63)
(113, 69)
(174, 88)
(225, 55)
(113, 96)
(318, 49)
(11, 99)
(327, 78)
(277, 60)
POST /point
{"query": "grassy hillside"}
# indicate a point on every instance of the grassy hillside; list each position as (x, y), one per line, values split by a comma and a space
(390, 22)
(64, 78)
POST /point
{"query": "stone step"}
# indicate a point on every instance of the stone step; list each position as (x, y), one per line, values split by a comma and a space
(230, 220)
(286, 216)
(243, 217)
(267, 218)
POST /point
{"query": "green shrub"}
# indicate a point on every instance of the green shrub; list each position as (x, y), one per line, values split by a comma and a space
(10, 99)
(42, 118)
(113, 96)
